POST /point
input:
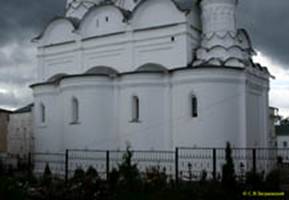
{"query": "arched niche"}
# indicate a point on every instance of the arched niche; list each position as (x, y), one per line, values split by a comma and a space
(102, 20)
(56, 77)
(104, 70)
(59, 30)
(152, 67)
(151, 13)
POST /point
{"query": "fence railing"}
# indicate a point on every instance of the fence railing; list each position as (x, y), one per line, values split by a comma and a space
(183, 163)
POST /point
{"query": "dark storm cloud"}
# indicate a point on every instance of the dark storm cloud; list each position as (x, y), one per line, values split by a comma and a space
(268, 24)
(20, 20)
(4, 60)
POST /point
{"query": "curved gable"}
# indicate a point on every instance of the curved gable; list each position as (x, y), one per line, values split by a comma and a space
(152, 67)
(152, 13)
(59, 30)
(102, 70)
(101, 20)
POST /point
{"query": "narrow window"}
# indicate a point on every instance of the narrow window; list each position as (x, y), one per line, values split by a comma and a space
(172, 38)
(194, 102)
(42, 113)
(135, 109)
(75, 110)
(106, 19)
(284, 144)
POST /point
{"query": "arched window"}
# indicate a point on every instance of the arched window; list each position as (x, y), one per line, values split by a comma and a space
(75, 110)
(135, 109)
(194, 106)
(42, 113)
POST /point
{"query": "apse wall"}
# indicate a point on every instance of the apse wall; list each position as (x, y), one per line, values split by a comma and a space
(257, 117)
(94, 127)
(221, 107)
(151, 130)
(48, 132)
(231, 106)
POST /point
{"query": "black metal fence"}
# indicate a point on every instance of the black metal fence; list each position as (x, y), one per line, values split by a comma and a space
(183, 163)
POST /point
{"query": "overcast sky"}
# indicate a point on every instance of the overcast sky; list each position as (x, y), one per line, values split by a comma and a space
(20, 20)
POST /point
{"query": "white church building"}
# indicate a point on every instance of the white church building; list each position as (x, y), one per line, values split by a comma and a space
(152, 74)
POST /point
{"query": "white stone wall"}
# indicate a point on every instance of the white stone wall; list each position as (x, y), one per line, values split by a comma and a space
(227, 111)
(220, 93)
(150, 132)
(48, 135)
(257, 111)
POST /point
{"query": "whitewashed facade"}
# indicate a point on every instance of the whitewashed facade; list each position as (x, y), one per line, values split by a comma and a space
(151, 74)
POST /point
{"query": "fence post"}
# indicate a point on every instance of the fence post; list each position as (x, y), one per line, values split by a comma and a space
(66, 164)
(29, 164)
(254, 160)
(214, 163)
(177, 164)
(107, 164)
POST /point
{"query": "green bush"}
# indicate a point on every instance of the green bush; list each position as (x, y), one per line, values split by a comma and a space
(11, 188)
(273, 180)
(254, 181)
(127, 183)
(155, 178)
(47, 176)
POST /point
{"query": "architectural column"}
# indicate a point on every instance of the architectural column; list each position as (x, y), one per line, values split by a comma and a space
(168, 131)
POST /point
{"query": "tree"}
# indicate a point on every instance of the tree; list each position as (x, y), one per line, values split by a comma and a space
(228, 178)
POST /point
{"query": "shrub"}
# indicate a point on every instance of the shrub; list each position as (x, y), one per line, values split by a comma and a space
(203, 177)
(79, 175)
(47, 176)
(155, 177)
(129, 174)
(273, 180)
(254, 181)
(228, 178)
(113, 178)
(92, 173)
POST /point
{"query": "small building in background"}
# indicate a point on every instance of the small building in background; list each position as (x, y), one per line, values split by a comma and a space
(282, 132)
(4, 120)
(274, 120)
(20, 135)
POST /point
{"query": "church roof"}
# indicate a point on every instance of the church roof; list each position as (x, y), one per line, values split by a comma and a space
(182, 6)
(126, 13)
(25, 109)
(102, 70)
(145, 69)
(5, 111)
(73, 21)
